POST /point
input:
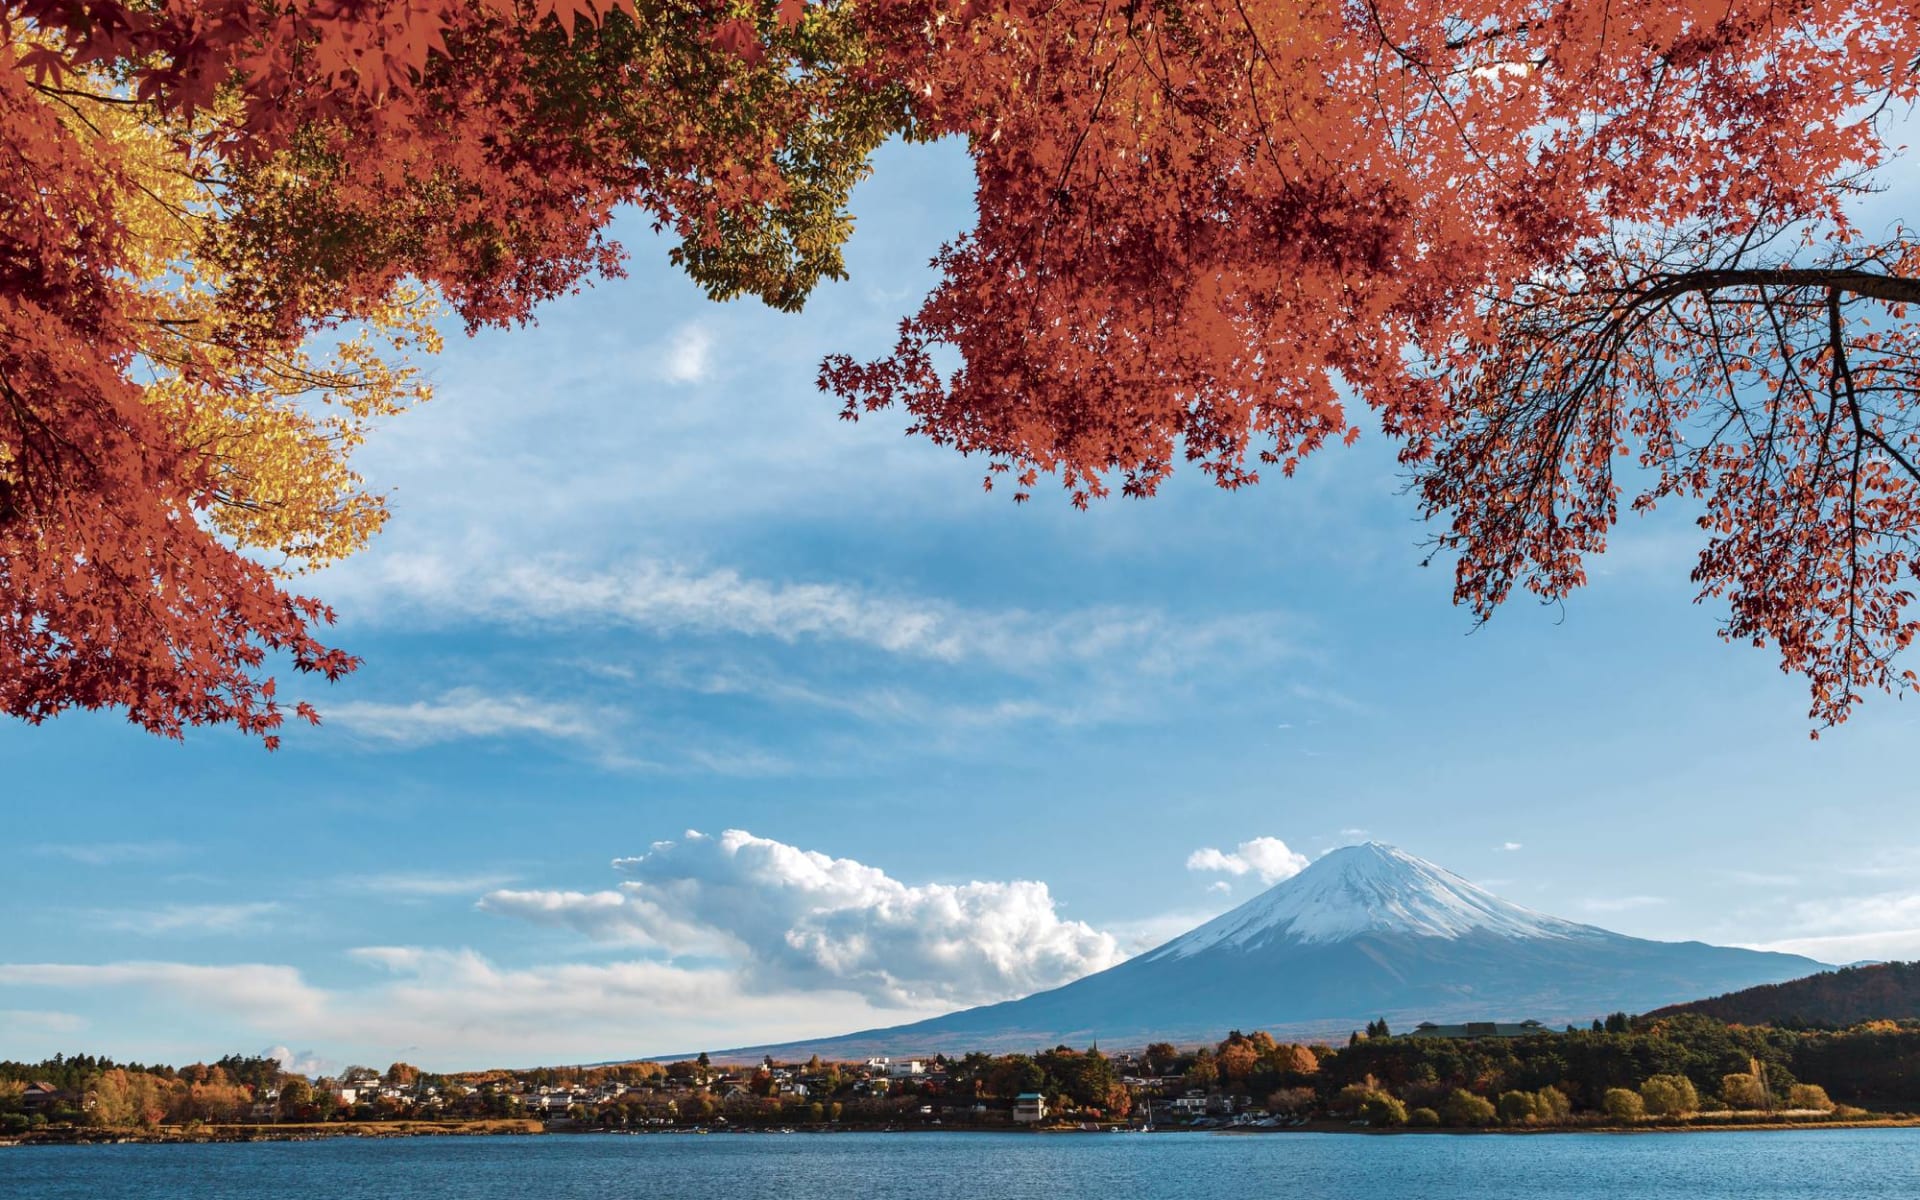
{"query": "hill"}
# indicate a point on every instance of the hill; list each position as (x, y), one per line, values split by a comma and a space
(1837, 999)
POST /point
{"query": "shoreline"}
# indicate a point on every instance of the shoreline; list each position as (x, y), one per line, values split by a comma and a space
(233, 1134)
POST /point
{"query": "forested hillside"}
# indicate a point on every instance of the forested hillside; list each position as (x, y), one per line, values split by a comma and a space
(1831, 999)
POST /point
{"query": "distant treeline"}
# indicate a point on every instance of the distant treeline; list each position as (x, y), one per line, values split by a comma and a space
(1830, 1000)
(1627, 1070)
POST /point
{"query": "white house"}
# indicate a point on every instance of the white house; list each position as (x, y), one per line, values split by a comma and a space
(1029, 1107)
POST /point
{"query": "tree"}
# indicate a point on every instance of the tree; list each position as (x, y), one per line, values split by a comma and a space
(123, 1099)
(1622, 1105)
(1809, 1096)
(203, 197)
(403, 1074)
(1203, 228)
(296, 1100)
(1669, 1095)
(1204, 231)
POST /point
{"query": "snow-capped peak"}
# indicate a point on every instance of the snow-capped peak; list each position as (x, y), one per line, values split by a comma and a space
(1370, 888)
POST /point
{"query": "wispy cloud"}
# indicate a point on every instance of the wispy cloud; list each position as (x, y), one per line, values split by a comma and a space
(112, 854)
(463, 713)
(689, 355)
(191, 918)
(672, 598)
(1619, 904)
(425, 884)
(1509, 847)
(41, 1020)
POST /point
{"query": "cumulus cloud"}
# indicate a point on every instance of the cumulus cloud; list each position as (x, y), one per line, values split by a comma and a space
(1269, 858)
(305, 1062)
(796, 918)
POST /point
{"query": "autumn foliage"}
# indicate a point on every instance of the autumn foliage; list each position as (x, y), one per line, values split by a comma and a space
(225, 226)
(1567, 252)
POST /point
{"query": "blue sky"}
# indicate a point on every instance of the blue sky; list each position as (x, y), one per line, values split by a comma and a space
(642, 580)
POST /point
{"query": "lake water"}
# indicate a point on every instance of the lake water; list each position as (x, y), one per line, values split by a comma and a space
(1828, 1164)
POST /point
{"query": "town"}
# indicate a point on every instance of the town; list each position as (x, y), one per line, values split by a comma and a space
(1686, 1069)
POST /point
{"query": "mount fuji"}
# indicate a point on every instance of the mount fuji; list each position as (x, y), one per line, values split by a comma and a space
(1365, 931)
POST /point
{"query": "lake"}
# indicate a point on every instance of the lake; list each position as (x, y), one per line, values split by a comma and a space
(1853, 1163)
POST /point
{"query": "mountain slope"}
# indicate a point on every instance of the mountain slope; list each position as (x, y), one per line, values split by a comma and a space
(1366, 931)
(1877, 992)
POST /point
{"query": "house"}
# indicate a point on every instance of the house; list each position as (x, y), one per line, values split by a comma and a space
(1029, 1108)
(906, 1070)
(39, 1096)
(1478, 1029)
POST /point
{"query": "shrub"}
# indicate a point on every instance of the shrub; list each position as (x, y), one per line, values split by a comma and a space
(1382, 1109)
(1623, 1105)
(1669, 1095)
(1292, 1101)
(1424, 1118)
(1517, 1108)
(1742, 1090)
(1809, 1095)
(1551, 1105)
(1465, 1108)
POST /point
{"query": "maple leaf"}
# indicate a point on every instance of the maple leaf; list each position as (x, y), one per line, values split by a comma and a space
(737, 37)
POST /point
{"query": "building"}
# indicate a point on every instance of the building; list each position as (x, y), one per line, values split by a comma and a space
(1478, 1029)
(1029, 1108)
(39, 1096)
(906, 1070)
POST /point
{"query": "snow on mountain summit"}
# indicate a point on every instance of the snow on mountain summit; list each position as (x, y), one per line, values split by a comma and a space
(1371, 888)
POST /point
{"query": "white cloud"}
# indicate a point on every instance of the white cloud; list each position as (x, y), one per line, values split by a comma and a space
(110, 854)
(192, 918)
(673, 598)
(1617, 904)
(1884, 925)
(1269, 858)
(452, 1009)
(462, 713)
(689, 356)
(254, 992)
(795, 918)
(41, 1020)
(1509, 847)
(424, 884)
(305, 1062)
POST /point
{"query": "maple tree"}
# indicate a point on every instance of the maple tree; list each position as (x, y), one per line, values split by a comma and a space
(1564, 250)
(225, 227)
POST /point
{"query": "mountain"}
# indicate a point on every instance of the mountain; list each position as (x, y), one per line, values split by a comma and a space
(1364, 932)
(1880, 992)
